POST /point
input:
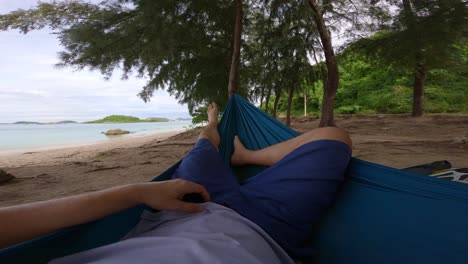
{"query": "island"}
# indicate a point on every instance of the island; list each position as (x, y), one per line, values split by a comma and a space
(127, 119)
(26, 123)
(65, 122)
(49, 123)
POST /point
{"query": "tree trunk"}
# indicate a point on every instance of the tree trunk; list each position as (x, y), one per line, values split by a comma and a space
(408, 12)
(267, 100)
(290, 98)
(305, 101)
(331, 85)
(419, 69)
(418, 90)
(262, 95)
(234, 72)
(277, 98)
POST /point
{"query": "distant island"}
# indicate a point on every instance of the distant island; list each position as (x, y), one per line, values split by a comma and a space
(26, 123)
(127, 119)
(107, 119)
(64, 122)
(50, 123)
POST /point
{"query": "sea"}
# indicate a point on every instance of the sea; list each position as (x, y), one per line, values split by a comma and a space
(24, 137)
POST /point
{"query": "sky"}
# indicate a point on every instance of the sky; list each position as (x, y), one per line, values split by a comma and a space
(33, 89)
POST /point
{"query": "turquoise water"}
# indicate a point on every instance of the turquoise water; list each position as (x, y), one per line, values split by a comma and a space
(24, 137)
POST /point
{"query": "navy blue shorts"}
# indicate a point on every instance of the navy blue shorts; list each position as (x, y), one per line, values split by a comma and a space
(285, 199)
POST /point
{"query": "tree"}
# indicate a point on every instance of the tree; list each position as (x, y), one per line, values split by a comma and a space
(290, 98)
(276, 51)
(332, 82)
(278, 91)
(353, 19)
(182, 46)
(237, 37)
(422, 35)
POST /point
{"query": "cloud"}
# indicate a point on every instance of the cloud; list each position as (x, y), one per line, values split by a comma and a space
(32, 88)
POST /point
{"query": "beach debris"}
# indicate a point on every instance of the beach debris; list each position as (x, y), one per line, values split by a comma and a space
(113, 132)
(5, 176)
(79, 163)
(105, 168)
(105, 154)
(46, 178)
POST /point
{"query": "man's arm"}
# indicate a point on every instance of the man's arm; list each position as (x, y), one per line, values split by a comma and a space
(24, 222)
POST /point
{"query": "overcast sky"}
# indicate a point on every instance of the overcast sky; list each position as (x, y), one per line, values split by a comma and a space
(33, 89)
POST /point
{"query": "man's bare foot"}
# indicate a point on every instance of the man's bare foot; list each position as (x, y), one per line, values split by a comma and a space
(211, 130)
(213, 113)
(241, 154)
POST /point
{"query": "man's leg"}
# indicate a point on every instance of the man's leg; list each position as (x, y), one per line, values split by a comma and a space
(211, 131)
(270, 155)
(290, 196)
(203, 164)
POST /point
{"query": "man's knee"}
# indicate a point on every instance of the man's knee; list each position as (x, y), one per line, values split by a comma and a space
(332, 133)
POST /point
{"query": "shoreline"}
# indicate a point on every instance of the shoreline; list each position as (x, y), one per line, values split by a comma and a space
(387, 140)
(59, 154)
(116, 138)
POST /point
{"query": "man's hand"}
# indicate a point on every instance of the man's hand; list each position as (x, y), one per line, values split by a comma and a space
(23, 222)
(167, 195)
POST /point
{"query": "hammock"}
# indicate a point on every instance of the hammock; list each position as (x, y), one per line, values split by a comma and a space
(381, 215)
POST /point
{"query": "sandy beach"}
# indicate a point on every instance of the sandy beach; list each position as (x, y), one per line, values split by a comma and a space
(393, 140)
(58, 155)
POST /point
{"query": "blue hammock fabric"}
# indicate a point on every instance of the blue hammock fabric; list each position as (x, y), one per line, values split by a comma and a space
(381, 214)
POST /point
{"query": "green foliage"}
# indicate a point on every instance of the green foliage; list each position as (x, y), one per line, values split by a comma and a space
(349, 109)
(55, 15)
(387, 101)
(127, 119)
(200, 115)
(368, 86)
(280, 38)
(313, 90)
(182, 46)
(185, 47)
(421, 31)
(156, 119)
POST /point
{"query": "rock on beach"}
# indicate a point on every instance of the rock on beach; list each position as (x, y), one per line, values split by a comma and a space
(5, 176)
(113, 132)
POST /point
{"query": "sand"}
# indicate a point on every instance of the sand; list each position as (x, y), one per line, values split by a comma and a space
(393, 140)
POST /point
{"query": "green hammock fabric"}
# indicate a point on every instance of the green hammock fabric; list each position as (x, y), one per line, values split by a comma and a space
(381, 215)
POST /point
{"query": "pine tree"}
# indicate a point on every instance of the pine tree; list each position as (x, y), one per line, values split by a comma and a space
(182, 46)
(236, 49)
(422, 35)
(277, 48)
